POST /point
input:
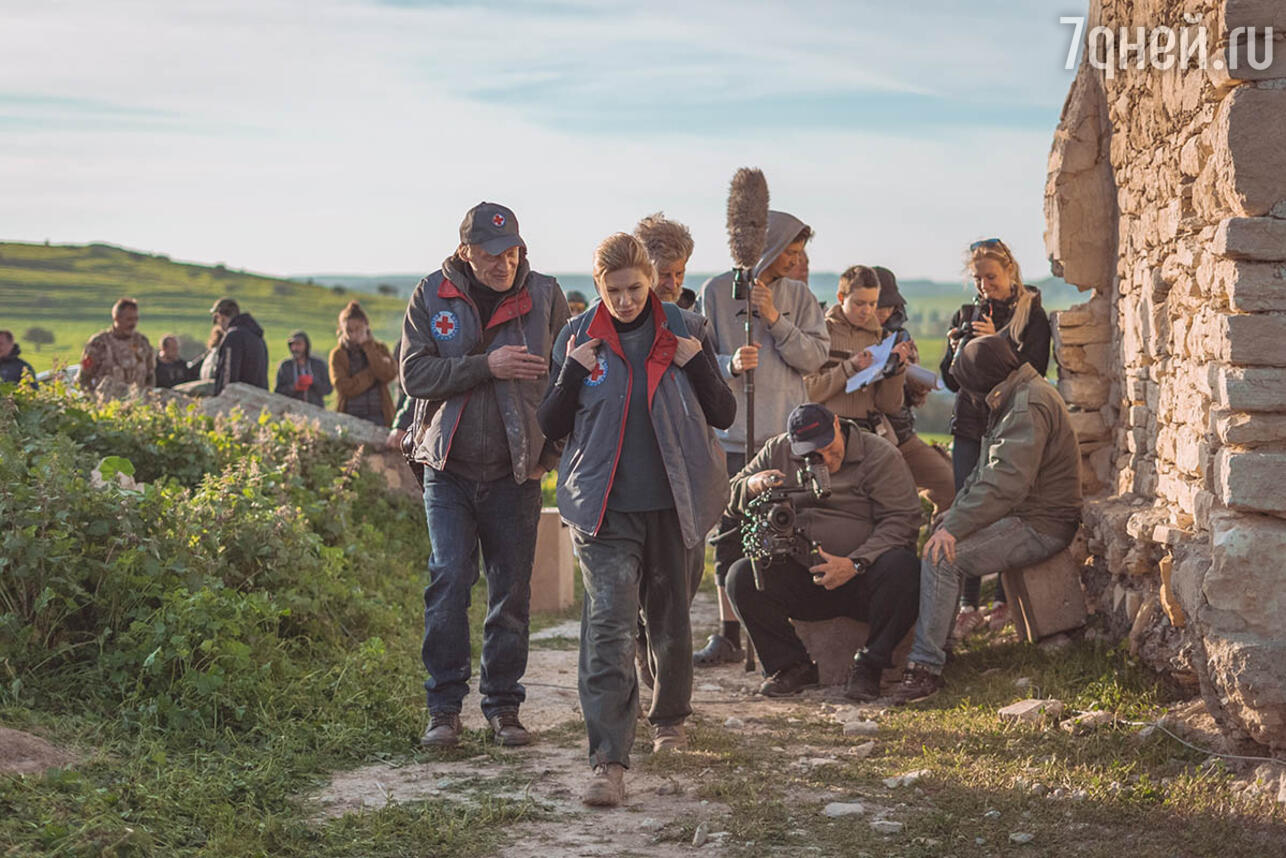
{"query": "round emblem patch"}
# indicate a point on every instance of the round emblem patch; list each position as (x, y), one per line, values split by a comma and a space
(598, 374)
(498, 220)
(445, 325)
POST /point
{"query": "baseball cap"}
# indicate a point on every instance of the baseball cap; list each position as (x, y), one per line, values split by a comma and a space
(810, 428)
(492, 226)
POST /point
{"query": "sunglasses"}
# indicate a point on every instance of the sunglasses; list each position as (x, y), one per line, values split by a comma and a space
(990, 243)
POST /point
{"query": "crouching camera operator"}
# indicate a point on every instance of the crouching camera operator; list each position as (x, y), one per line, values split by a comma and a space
(814, 554)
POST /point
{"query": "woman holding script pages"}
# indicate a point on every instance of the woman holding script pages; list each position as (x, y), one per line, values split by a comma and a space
(856, 333)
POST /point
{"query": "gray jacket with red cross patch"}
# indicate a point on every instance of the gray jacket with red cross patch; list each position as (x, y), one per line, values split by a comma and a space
(444, 365)
(695, 464)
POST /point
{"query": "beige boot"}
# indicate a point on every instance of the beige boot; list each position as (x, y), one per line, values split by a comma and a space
(669, 737)
(606, 786)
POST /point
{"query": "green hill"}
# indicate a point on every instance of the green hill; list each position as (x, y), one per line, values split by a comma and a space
(69, 291)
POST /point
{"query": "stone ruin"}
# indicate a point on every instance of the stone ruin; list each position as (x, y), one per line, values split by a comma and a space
(1166, 199)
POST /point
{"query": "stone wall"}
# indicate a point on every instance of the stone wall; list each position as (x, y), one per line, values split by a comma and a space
(1166, 201)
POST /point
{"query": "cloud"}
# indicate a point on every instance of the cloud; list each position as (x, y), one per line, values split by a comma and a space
(352, 135)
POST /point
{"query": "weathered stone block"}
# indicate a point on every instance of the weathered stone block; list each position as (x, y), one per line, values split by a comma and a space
(832, 644)
(1087, 391)
(1089, 425)
(1249, 389)
(1253, 287)
(1258, 239)
(1248, 575)
(1250, 430)
(1257, 339)
(1251, 481)
(553, 568)
(1249, 672)
(1249, 150)
(1031, 711)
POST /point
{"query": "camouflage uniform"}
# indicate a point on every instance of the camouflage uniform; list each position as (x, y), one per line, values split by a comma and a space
(129, 360)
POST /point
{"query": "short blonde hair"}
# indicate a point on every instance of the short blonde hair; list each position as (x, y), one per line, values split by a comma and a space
(618, 252)
(664, 240)
(858, 277)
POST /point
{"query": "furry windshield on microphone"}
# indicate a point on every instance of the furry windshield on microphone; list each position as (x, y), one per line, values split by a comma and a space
(747, 217)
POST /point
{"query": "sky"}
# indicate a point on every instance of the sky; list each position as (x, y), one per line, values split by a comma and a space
(350, 136)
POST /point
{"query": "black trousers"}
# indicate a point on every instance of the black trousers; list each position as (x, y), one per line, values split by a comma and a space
(728, 550)
(887, 596)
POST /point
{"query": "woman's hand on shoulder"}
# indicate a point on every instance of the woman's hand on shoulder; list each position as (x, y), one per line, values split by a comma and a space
(686, 350)
(585, 354)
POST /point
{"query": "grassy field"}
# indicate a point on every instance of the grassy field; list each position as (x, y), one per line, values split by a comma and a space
(69, 290)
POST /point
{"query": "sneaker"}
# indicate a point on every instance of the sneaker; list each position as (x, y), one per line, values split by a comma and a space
(999, 617)
(791, 680)
(967, 622)
(508, 730)
(669, 737)
(641, 662)
(443, 730)
(718, 650)
(918, 683)
(863, 682)
(606, 787)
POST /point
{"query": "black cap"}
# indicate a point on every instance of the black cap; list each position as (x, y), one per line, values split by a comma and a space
(492, 226)
(810, 427)
(576, 296)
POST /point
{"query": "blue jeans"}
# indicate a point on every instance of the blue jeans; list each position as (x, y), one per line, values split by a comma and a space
(1007, 544)
(500, 518)
(965, 453)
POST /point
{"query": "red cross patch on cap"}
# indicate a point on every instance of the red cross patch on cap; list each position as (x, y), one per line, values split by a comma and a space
(498, 219)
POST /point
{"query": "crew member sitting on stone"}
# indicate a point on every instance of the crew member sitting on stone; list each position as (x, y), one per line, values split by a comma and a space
(867, 530)
(1020, 505)
(854, 327)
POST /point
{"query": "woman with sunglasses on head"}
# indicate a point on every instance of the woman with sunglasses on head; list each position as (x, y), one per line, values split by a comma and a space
(636, 391)
(1002, 302)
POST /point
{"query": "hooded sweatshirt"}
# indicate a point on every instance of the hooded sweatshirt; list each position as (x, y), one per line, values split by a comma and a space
(289, 371)
(790, 348)
(913, 395)
(1030, 462)
(243, 355)
(14, 369)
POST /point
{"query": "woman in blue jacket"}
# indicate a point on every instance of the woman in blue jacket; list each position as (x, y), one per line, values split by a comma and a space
(636, 390)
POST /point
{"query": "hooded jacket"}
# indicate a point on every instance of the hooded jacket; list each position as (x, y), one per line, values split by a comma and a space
(969, 416)
(1030, 462)
(827, 384)
(243, 355)
(289, 370)
(444, 368)
(913, 395)
(790, 348)
(695, 466)
(872, 507)
(13, 368)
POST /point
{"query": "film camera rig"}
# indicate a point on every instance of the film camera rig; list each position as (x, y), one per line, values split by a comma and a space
(770, 533)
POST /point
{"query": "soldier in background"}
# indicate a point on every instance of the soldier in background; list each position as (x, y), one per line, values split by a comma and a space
(120, 353)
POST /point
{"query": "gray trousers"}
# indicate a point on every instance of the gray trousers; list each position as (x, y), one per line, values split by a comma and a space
(1007, 544)
(636, 555)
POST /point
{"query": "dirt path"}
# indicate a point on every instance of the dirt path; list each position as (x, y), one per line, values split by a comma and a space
(551, 772)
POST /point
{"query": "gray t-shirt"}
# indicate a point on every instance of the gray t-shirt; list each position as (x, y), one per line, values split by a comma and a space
(640, 483)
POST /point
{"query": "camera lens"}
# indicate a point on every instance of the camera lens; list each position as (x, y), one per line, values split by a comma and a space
(782, 518)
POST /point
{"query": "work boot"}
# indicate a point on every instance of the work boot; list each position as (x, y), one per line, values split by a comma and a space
(863, 682)
(443, 730)
(669, 737)
(790, 680)
(718, 650)
(606, 787)
(508, 730)
(918, 683)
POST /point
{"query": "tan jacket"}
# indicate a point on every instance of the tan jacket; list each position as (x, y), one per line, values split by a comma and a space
(1030, 463)
(873, 505)
(827, 384)
(380, 369)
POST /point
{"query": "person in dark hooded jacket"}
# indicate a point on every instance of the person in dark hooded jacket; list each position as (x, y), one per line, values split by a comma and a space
(302, 376)
(1002, 303)
(1020, 505)
(13, 368)
(243, 354)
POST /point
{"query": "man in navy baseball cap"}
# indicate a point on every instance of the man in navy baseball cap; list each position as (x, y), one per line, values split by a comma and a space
(811, 427)
(492, 227)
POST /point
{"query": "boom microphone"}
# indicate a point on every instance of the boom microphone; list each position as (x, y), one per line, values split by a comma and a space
(747, 217)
